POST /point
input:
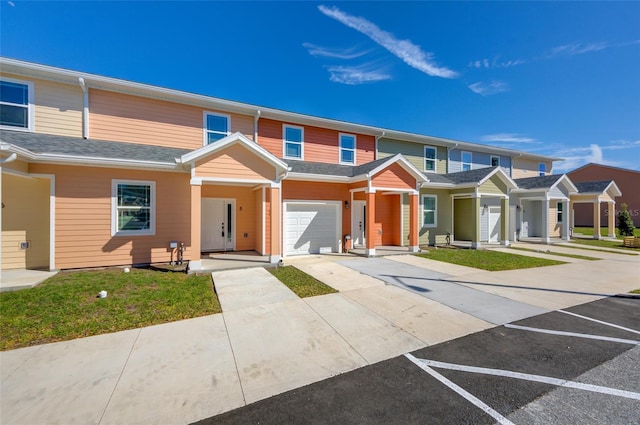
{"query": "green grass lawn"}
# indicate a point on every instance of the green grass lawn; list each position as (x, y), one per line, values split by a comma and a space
(301, 283)
(604, 231)
(617, 244)
(487, 259)
(635, 291)
(65, 306)
(559, 254)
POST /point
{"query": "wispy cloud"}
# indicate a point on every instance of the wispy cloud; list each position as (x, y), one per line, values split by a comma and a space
(622, 145)
(12, 4)
(495, 63)
(572, 49)
(354, 75)
(351, 53)
(507, 138)
(410, 53)
(579, 156)
(489, 88)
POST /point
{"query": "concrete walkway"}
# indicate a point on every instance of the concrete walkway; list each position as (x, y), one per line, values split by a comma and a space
(269, 341)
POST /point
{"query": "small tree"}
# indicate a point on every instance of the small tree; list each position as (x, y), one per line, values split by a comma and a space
(625, 224)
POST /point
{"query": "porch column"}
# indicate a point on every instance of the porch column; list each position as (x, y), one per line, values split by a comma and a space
(274, 207)
(370, 196)
(612, 219)
(475, 217)
(504, 221)
(571, 217)
(196, 222)
(566, 213)
(413, 223)
(596, 219)
(545, 221)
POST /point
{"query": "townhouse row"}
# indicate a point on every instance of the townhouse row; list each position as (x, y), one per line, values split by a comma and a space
(98, 171)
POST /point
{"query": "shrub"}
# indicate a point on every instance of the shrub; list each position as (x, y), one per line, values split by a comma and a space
(625, 224)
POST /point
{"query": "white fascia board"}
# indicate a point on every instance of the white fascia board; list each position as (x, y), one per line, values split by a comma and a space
(318, 178)
(511, 184)
(616, 190)
(564, 179)
(113, 84)
(434, 185)
(404, 163)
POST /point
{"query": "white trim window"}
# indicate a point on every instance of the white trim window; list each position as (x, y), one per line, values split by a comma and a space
(495, 161)
(429, 211)
(216, 127)
(292, 142)
(542, 169)
(430, 159)
(466, 159)
(16, 104)
(559, 211)
(347, 148)
(133, 209)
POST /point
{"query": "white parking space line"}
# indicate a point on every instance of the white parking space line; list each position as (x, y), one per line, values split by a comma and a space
(574, 334)
(525, 376)
(461, 391)
(600, 321)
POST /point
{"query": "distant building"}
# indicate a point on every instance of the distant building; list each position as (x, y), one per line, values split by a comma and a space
(627, 180)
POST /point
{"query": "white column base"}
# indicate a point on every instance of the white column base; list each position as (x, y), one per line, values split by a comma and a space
(414, 249)
(546, 240)
(505, 243)
(370, 252)
(476, 245)
(195, 265)
(275, 259)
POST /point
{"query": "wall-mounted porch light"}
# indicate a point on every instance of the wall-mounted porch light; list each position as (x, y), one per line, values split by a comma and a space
(346, 204)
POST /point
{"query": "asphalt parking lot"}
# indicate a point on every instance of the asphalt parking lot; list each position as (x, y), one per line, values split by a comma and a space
(578, 365)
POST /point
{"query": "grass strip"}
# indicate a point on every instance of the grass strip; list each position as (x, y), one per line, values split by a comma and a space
(617, 245)
(66, 307)
(301, 283)
(487, 259)
(635, 291)
(559, 254)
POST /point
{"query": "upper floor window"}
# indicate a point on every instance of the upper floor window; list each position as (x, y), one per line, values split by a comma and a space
(16, 104)
(293, 142)
(495, 161)
(430, 159)
(542, 169)
(216, 127)
(429, 210)
(347, 148)
(133, 207)
(466, 161)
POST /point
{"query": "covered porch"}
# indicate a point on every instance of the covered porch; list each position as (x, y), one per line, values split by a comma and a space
(597, 193)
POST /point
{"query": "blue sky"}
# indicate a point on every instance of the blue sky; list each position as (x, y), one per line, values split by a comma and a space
(555, 78)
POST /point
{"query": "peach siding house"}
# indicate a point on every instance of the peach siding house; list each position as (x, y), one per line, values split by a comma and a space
(97, 171)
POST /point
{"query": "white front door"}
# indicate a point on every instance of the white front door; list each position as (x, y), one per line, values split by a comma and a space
(494, 224)
(217, 229)
(358, 223)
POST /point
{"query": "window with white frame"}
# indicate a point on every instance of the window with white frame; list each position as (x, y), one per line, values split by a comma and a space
(559, 212)
(429, 211)
(495, 161)
(542, 169)
(293, 142)
(466, 161)
(430, 159)
(16, 104)
(216, 127)
(347, 148)
(133, 207)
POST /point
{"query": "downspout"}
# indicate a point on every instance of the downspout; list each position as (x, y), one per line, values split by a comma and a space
(85, 108)
(255, 126)
(375, 154)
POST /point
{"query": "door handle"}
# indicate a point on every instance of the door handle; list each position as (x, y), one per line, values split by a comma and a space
(222, 226)
(360, 225)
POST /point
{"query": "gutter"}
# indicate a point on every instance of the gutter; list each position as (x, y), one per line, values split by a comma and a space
(85, 107)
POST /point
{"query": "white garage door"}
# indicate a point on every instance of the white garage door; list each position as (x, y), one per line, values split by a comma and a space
(311, 228)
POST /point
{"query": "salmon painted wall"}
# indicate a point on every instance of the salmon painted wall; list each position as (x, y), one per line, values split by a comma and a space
(316, 191)
(387, 221)
(235, 162)
(246, 212)
(126, 118)
(320, 144)
(395, 177)
(57, 107)
(83, 217)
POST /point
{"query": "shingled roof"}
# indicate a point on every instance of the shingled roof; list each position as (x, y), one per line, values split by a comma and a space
(538, 182)
(47, 144)
(593, 187)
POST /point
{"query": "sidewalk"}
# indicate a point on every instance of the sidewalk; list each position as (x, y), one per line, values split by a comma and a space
(267, 341)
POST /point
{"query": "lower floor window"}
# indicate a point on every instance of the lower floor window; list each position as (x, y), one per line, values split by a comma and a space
(133, 208)
(559, 212)
(428, 210)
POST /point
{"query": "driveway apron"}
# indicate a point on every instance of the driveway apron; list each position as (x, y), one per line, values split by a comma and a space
(491, 308)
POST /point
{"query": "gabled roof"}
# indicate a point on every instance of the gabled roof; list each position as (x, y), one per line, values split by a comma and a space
(470, 178)
(231, 140)
(546, 183)
(51, 148)
(598, 187)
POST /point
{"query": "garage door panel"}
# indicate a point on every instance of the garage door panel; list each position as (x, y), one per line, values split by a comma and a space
(310, 228)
